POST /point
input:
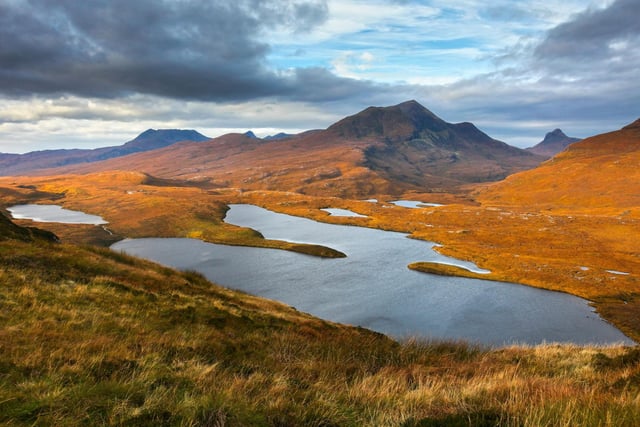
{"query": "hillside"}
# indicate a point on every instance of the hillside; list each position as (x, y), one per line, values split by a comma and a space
(151, 139)
(380, 150)
(90, 336)
(553, 143)
(595, 175)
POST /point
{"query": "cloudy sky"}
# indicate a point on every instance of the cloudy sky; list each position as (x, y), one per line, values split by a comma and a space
(97, 72)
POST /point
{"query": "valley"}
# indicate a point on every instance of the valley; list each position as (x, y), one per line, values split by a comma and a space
(566, 224)
(319, 213)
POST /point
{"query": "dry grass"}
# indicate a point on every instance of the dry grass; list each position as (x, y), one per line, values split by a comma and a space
(88, 336)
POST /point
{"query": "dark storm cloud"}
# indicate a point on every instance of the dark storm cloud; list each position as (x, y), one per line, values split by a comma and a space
(594, 34)
(185, 49)
(320, 85)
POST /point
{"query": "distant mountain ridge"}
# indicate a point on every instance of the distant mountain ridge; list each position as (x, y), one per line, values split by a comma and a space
(151, 139)
(279, 135)
(553, 143)
(380, 150)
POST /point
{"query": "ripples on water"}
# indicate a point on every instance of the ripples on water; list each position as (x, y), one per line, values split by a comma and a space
(373, 287)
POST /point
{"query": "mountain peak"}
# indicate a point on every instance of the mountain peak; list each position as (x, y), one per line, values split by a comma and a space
(147, 133)
(250, 134)
(556, 133)
(395, 123)
(411, 105)
(170, 135)
(553, 143)
(634, 125)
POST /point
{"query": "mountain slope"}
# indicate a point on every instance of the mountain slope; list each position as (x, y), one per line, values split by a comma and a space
(598, 173)
(553, 143)
(151, 139)
(379, 150)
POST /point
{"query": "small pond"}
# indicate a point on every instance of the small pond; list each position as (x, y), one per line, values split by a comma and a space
(53, 213)
(414, 204)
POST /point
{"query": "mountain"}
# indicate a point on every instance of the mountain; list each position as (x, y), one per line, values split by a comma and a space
(553, 143)
(596, 174)
(379, 150)
(151, 139)
(250, 134)
(417, 147)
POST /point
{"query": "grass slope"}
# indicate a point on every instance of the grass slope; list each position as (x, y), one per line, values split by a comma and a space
(92, 337)
(597, 175)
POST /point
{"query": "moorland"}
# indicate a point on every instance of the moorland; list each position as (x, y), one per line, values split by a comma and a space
(90, 335)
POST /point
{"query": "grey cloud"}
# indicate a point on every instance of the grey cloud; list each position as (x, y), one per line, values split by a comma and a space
(320, 85)
(583, 71)
(591, 34)
(208, 50)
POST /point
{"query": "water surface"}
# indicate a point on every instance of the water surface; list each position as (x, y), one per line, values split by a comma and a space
(373, 287)
(53, 213)
(414, 204)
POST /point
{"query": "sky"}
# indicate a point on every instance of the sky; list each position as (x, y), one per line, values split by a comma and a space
(85, 74)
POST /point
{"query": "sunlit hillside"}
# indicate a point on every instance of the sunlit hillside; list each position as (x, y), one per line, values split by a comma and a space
(598, 175)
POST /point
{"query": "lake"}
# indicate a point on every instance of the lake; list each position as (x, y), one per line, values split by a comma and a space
(373, 287)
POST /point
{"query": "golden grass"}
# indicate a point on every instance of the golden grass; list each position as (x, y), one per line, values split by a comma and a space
(93, 337)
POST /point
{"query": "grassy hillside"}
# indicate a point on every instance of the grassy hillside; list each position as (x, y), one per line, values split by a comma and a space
(597, 175)
(93, 337)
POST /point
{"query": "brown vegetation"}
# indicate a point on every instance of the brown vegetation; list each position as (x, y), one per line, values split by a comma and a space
(92, 337)
(596, 176)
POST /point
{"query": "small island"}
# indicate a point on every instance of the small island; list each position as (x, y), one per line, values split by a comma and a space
(448, 270)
